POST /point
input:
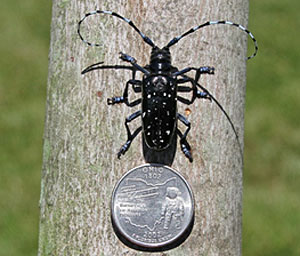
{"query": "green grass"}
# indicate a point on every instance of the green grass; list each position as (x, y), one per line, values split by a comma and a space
(271, 220)
(271, 215)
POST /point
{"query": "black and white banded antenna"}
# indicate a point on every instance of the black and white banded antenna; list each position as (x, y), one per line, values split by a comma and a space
(145, 38)
(208, 23)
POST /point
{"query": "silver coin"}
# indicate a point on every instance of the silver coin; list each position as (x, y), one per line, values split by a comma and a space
(152, 208)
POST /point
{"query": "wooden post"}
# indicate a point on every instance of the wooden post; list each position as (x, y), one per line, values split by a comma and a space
(83, 134)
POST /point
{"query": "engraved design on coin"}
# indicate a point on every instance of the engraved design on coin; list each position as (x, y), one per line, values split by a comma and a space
(152, 208)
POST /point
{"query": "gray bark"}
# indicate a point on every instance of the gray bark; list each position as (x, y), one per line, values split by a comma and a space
(83, 134)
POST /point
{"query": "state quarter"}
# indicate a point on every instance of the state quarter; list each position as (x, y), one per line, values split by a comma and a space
(152, 208)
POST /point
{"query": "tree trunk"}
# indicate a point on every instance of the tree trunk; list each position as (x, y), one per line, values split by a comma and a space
(83, 134)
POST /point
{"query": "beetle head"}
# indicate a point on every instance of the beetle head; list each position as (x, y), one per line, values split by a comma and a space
(160, 59)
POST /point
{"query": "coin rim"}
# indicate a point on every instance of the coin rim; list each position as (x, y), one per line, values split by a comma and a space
(136, 244)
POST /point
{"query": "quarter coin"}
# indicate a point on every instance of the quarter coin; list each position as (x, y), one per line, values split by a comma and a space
(152, 208)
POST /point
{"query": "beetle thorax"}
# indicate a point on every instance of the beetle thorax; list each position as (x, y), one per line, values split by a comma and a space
(159, 83)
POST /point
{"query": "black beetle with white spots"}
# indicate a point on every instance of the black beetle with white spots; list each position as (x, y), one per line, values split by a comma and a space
(160, 90)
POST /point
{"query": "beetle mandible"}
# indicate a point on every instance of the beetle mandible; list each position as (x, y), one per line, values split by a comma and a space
(159, 87)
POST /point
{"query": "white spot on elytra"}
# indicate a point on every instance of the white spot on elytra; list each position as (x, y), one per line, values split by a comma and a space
(168, 132)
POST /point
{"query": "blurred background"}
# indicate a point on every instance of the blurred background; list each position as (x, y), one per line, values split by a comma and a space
(271, 216)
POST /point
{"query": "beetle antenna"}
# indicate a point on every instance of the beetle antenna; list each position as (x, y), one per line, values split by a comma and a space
(208, 23)
(145, 38)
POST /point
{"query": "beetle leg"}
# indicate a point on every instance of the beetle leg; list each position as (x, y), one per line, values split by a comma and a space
(182, 88)
(185, 147)
(136, 84)
(203, 95)
(185, 79)
(199, 71)
(132, 61)
(196, 92)
(184, 100)
(204, 70)
(130, 136)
